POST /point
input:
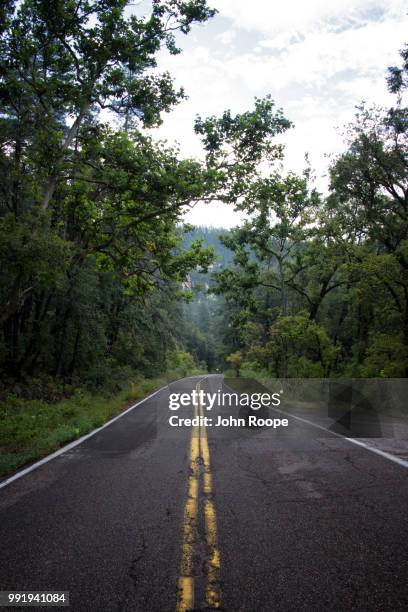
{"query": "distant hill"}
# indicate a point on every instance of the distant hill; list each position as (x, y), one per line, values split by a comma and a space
(210, 237)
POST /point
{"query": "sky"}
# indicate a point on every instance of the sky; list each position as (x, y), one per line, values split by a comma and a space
(318, 60)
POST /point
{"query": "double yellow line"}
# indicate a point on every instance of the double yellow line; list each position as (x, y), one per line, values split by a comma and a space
(199, 454)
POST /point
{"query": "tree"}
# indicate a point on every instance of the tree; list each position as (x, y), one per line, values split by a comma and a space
(281, 260)
(236, 360)
(82, 202)
(65, 61)
(89, 203)
(316, 284)
(369, 215)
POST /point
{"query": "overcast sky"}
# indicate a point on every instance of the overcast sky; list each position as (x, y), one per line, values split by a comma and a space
(317, 58)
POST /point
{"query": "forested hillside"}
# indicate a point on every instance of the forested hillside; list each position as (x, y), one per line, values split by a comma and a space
(205, 314)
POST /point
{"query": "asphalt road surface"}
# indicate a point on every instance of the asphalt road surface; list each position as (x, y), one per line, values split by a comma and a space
(151, 518)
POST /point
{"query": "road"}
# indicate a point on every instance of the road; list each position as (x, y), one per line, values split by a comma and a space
(147, 517)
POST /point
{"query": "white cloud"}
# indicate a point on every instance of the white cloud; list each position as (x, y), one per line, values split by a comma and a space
(275, 16)
(315, 69)
(214, 214)
(322, 55)
(227, 37)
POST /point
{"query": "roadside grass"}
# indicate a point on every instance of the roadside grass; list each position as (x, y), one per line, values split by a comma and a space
(31, 429)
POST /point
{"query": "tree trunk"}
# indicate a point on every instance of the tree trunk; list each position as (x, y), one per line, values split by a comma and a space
(53, 179)
(33, 349)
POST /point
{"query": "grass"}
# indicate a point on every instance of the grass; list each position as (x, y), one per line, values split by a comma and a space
(31, 429)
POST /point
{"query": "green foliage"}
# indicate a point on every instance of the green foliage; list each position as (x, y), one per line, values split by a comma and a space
(236, 360)
(31, 253)
(30, 429)
(89, 214)
(386, 357)
(245, 132)
(236, 146)
(295, 346)
(398, 75)
(319, 287)
(304, 344)
(182, 362)
(95, 261)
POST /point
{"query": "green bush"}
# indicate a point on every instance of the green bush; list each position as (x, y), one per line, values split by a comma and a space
(386, 357)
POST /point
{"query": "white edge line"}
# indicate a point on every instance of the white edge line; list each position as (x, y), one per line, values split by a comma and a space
(377, 451)
(67, 447)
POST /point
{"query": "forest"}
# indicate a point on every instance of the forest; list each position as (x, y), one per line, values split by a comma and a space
(103, 281)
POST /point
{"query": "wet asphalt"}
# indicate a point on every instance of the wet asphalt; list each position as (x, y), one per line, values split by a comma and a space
(305, 519)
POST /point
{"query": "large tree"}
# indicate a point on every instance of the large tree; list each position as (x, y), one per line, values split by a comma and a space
(84, 191)
(80, 199)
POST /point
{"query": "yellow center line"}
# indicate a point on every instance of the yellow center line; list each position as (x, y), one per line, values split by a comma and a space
(199, 448)
(212, 592)
(185, 599)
